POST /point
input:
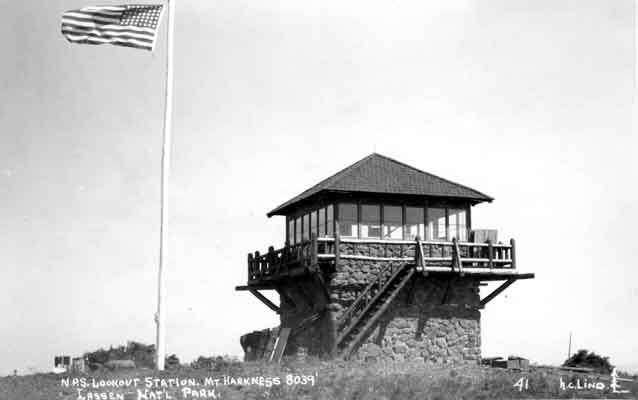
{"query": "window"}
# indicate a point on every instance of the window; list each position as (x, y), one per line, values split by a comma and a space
(392, 222)
(306, 227)
(313, 223)
(322, 222)
(436, 224)
(370, 222)
(457, 224)
(330, 220)
(298, 230)
(291, 230)
(414, 225)
(348, 220)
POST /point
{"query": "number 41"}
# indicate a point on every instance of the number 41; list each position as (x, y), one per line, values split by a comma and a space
(521, 384)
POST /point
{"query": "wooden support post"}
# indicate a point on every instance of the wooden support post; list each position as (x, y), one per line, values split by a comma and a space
(497, 291)
(513, 253)
(265, 300)
(280, 345)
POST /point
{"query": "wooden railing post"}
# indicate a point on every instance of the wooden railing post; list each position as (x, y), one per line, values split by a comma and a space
(258, 271)
(285, 258)
(250, 267)
(490, 254)
(337, 243)
(513, 253)
(271, 260)
(420, 256)
(417, 253)
(457, 256)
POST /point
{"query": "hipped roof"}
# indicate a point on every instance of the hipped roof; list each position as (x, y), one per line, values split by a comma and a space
(379, 174)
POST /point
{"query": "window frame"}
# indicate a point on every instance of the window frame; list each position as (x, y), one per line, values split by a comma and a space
(360, 221)
(401, 224)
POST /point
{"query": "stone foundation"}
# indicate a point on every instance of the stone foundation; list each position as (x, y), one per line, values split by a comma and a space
(433, 319)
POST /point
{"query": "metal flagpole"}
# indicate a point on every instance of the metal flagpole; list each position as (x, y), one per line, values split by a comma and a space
(160, 317)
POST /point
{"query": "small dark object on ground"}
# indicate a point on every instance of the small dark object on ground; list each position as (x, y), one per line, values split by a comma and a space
(512, 362)
(114, 365)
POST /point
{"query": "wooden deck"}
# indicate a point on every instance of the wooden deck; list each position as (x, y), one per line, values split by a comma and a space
(486, 261)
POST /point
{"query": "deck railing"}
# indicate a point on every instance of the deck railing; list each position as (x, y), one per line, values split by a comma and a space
(427, 255)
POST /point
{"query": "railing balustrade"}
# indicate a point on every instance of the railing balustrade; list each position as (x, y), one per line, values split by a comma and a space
(437, 255)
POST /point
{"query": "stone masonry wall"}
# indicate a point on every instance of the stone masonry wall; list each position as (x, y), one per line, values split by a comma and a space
(433, 319)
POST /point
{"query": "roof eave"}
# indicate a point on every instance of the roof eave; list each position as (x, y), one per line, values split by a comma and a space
(280, 210)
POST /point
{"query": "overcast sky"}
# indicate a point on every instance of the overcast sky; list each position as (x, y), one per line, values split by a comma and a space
(527, 101)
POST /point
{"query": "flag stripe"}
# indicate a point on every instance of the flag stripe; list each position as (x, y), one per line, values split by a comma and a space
(108, 28)
(128, 25)
(75, 29)
(91, 41)
(100, 10)
(101, 40)
(107, 34)
(109, 8)
(91, 17)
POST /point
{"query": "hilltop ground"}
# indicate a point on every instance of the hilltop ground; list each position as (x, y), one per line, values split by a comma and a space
(315, 380)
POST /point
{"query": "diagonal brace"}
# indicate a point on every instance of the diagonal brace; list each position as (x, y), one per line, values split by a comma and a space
(265, 300)
(497, 291)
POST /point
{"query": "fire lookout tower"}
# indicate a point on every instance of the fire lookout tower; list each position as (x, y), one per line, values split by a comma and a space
(380, 261)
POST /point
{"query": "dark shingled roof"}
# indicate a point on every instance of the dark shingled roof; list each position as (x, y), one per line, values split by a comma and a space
(382, 175)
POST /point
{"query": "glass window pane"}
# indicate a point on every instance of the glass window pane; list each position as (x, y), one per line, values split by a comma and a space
(414, 225)
(313, 223)
(321, 222)
(298, 230)
(436, 224)
(457, 222)
(306, 227)
(392, 222)
(348, 220)
(330, 220)
(370, 222)
(291, 231)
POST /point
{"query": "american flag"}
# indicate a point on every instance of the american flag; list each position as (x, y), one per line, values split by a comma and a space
(127, 25)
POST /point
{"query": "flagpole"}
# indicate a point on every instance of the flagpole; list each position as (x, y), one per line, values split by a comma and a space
(160, 317)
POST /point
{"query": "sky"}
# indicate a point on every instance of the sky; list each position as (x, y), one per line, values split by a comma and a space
(529, 102)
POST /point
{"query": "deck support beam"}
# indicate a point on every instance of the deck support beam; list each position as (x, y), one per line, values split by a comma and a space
(497, 291)
(504, 286)
(265, 300)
